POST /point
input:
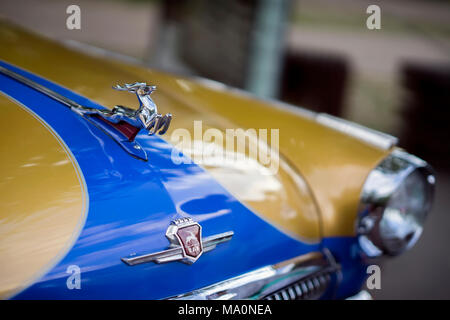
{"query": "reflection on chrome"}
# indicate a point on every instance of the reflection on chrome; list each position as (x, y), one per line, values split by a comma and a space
(308, 276)
(395, 201)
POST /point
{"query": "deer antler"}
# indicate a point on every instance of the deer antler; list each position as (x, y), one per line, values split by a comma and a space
(135, 87)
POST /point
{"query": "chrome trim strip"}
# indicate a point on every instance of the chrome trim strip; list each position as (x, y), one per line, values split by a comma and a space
(378, 139)
(175, 254)
(278, 281)
(210, 243)
(50, 93)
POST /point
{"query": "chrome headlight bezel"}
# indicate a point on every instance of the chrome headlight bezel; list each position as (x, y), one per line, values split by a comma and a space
(381, 227)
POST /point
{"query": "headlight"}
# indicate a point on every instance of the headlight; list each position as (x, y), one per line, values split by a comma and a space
(395, 201)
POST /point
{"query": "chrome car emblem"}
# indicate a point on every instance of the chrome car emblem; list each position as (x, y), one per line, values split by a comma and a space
(188, 235)
(145, 117)
(186, 244)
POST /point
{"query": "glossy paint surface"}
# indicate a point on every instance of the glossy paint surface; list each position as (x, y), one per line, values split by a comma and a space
(43, 197)
(131, 203)
(322, 170)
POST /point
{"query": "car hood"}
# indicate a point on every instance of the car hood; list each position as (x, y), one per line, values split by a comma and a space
(123, 205)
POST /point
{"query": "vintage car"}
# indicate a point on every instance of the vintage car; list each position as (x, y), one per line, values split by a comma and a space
(97, 204)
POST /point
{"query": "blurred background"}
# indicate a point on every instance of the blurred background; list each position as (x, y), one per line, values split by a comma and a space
(318, 54)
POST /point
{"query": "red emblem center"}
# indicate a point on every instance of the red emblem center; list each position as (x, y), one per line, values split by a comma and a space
(190, 239)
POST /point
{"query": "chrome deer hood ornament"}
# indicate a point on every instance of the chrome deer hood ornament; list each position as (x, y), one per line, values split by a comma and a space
(123, 123)
(145, 117)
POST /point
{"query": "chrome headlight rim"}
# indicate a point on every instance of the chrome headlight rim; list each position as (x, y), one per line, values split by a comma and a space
(379, 191)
